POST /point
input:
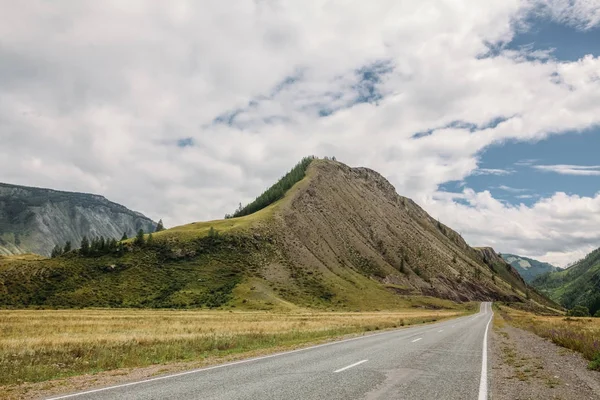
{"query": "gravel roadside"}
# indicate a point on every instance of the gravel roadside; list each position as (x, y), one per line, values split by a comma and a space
(526, 366)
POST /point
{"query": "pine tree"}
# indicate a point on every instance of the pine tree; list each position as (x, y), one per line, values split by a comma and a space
(67, 247)
(150, 240)
(94, 246)
(56, 251)
(124, 237)
(85, 246)
(277, 191)
(139, 239)
(159, 226)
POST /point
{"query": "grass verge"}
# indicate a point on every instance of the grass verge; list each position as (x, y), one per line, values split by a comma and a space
(579, 334)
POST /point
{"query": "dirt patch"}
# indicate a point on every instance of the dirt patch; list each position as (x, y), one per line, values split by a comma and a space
(526, 366)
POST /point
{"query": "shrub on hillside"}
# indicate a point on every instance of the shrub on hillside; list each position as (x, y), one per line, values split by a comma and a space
(579, 311)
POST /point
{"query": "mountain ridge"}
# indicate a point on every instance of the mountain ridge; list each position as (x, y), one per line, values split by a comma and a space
(577, 285)
(340, 238)
(34, 220)
(529, 268)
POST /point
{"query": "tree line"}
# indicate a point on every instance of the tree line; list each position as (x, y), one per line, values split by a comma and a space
(275, 192)
(99, 246)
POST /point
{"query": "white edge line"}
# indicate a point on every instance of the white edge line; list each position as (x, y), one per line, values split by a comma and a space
(248, 360)
(350, 366)
(416, 340)
(483, 382)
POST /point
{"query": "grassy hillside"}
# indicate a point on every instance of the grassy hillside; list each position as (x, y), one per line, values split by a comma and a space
(576, 285)
(341, 238)
(529, 268)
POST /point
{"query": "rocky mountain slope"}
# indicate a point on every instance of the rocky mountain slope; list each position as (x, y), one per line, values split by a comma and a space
(577, 285)
(529, 268)
(341, 238)
(34, 220)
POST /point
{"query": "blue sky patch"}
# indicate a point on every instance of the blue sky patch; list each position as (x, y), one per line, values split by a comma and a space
(569, 43)
(185, 142)
(511, 170)
(369, 77)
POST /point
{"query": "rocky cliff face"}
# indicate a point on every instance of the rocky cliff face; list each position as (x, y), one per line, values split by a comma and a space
(352, 219)
(34, 220)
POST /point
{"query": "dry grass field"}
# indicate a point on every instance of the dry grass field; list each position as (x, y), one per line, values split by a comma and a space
(40, 345)
(579, 334)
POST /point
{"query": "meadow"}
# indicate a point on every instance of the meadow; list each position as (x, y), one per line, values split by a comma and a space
(581, 334)
(41, 345)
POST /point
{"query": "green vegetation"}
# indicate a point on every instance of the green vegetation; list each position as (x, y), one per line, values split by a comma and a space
(159, 226)
(576, 285)
(579, 311)
(200, 273)
(275, 192)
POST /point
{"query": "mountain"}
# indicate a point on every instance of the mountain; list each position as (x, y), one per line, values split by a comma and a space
(529, 268)
(339, 238)
(577, 285)
(34, 220)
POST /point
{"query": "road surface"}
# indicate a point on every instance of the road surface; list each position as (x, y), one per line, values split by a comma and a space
(446, 360)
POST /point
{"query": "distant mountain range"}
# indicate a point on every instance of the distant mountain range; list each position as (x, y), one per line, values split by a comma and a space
(325, 236)
(577, 285)
(529, 268)
(34, 220)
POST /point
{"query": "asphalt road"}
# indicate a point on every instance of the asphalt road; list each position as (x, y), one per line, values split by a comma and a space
(446, 360)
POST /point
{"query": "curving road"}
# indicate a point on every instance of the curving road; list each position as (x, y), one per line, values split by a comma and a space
(446, 360)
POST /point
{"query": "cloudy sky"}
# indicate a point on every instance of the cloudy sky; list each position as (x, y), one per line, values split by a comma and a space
(487, 113)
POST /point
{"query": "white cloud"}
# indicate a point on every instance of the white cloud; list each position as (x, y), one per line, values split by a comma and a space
(492, 171)
(95, 95)
(586, 170)
(582, 14)
(511, 189)
(559, 229)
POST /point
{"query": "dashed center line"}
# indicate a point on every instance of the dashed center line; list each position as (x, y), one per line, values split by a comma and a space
(416, 340)
(441, 330)
(350, 366)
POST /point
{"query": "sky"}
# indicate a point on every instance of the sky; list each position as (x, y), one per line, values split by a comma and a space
(487, 114)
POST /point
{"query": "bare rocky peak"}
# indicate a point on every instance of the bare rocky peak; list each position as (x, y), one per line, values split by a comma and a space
(343, 217)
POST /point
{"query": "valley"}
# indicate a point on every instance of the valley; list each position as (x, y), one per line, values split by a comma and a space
(326, 252)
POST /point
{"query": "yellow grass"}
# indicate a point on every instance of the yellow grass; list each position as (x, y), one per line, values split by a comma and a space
(38, 345)
(579, 334)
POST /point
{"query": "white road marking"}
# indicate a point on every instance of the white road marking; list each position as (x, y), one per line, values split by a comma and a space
(441, 330)
(350, 366)
(483, 382)
(453, 326)
(416, 340)
(247, 360)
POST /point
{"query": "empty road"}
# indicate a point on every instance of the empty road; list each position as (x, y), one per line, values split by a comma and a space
(446, 360)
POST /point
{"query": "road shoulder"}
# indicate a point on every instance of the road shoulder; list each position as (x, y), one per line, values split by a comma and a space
(526, 366)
